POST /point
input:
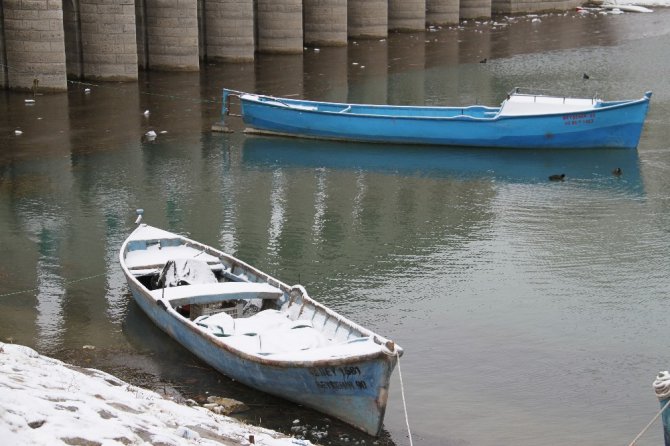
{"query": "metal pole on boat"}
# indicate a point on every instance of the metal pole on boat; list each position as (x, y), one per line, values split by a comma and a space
(225, 111)
(662, 389)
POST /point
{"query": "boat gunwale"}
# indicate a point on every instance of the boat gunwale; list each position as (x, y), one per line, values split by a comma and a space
(613, 105)
(280, 363)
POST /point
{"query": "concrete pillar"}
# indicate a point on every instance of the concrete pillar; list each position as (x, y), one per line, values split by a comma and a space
(442, 12)
(3, 59)
(72, 33)
(367, 18)
(501, 6)
(526, 6)
(141, 33)
(407, 15)
(279, 26)
(227, 32)
(108, 40)
(475, 9)
(325, 22)
(34, 44)
(171, 35)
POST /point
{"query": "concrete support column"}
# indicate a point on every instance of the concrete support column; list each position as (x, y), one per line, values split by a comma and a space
(443, 12)
(3, 59)
(475, 9)
(34, 44)
(279, 26)
(141, 33)
(407, 15)
(228, 30)
(526, 6)
(108, 41)
(325, 22)
(171, 35)
(72, 33)
(367, 18)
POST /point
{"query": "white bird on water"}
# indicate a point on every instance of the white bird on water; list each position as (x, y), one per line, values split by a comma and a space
(18, 132)
(146, 113)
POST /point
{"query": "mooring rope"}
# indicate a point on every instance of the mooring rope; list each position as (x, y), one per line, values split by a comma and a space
(650, 423)
(404, 404)
(65, 283)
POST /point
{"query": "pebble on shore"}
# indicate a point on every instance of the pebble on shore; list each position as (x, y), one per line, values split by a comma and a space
(44, 401)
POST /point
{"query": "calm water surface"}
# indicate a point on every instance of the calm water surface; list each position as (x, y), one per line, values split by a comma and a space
(530, 312)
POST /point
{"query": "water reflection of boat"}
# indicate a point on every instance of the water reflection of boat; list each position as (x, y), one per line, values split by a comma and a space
(596, 165)
(259, 331)
(523, 120)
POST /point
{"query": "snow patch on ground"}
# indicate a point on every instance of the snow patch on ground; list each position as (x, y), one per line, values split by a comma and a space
(44, 401)
(639, 2)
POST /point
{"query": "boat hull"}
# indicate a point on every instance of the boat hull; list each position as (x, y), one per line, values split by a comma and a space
(617, 126)
(353, 389)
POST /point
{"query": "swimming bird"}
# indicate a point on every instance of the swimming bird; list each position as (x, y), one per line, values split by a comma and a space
(617, 172)
(484, 60)
(557, 177)
(586, 76)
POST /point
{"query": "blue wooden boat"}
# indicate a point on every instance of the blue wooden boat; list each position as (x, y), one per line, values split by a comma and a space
(524, 120)
(258, 330)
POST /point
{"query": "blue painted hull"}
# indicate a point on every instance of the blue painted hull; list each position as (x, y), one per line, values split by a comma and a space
(353, 389)
(611, 125)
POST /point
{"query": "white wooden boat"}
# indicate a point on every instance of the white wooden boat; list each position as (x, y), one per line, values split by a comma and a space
(258, 330)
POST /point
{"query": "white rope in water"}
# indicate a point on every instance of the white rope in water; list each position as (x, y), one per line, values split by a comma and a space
(404, 404)
(648, 425)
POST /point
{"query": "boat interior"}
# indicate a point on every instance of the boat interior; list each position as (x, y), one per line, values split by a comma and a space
(241, 306)
(516, 104)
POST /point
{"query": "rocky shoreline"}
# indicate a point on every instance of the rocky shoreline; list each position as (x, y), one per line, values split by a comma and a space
(44, 401)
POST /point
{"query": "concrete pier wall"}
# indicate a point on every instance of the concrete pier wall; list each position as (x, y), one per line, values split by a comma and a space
(141, 33)
(34, 44)
(3, 59)
(325, 22)
(407, 15)
(522, 6)
(367, 18)
(227, 30)
(279, 26)
(442, 12)
(108, 41)
(171, 34)
(475, 9)
(72, 37)
(48, 40)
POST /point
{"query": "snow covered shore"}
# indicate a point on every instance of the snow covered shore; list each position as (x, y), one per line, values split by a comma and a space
(639, 2)
(44, 401)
